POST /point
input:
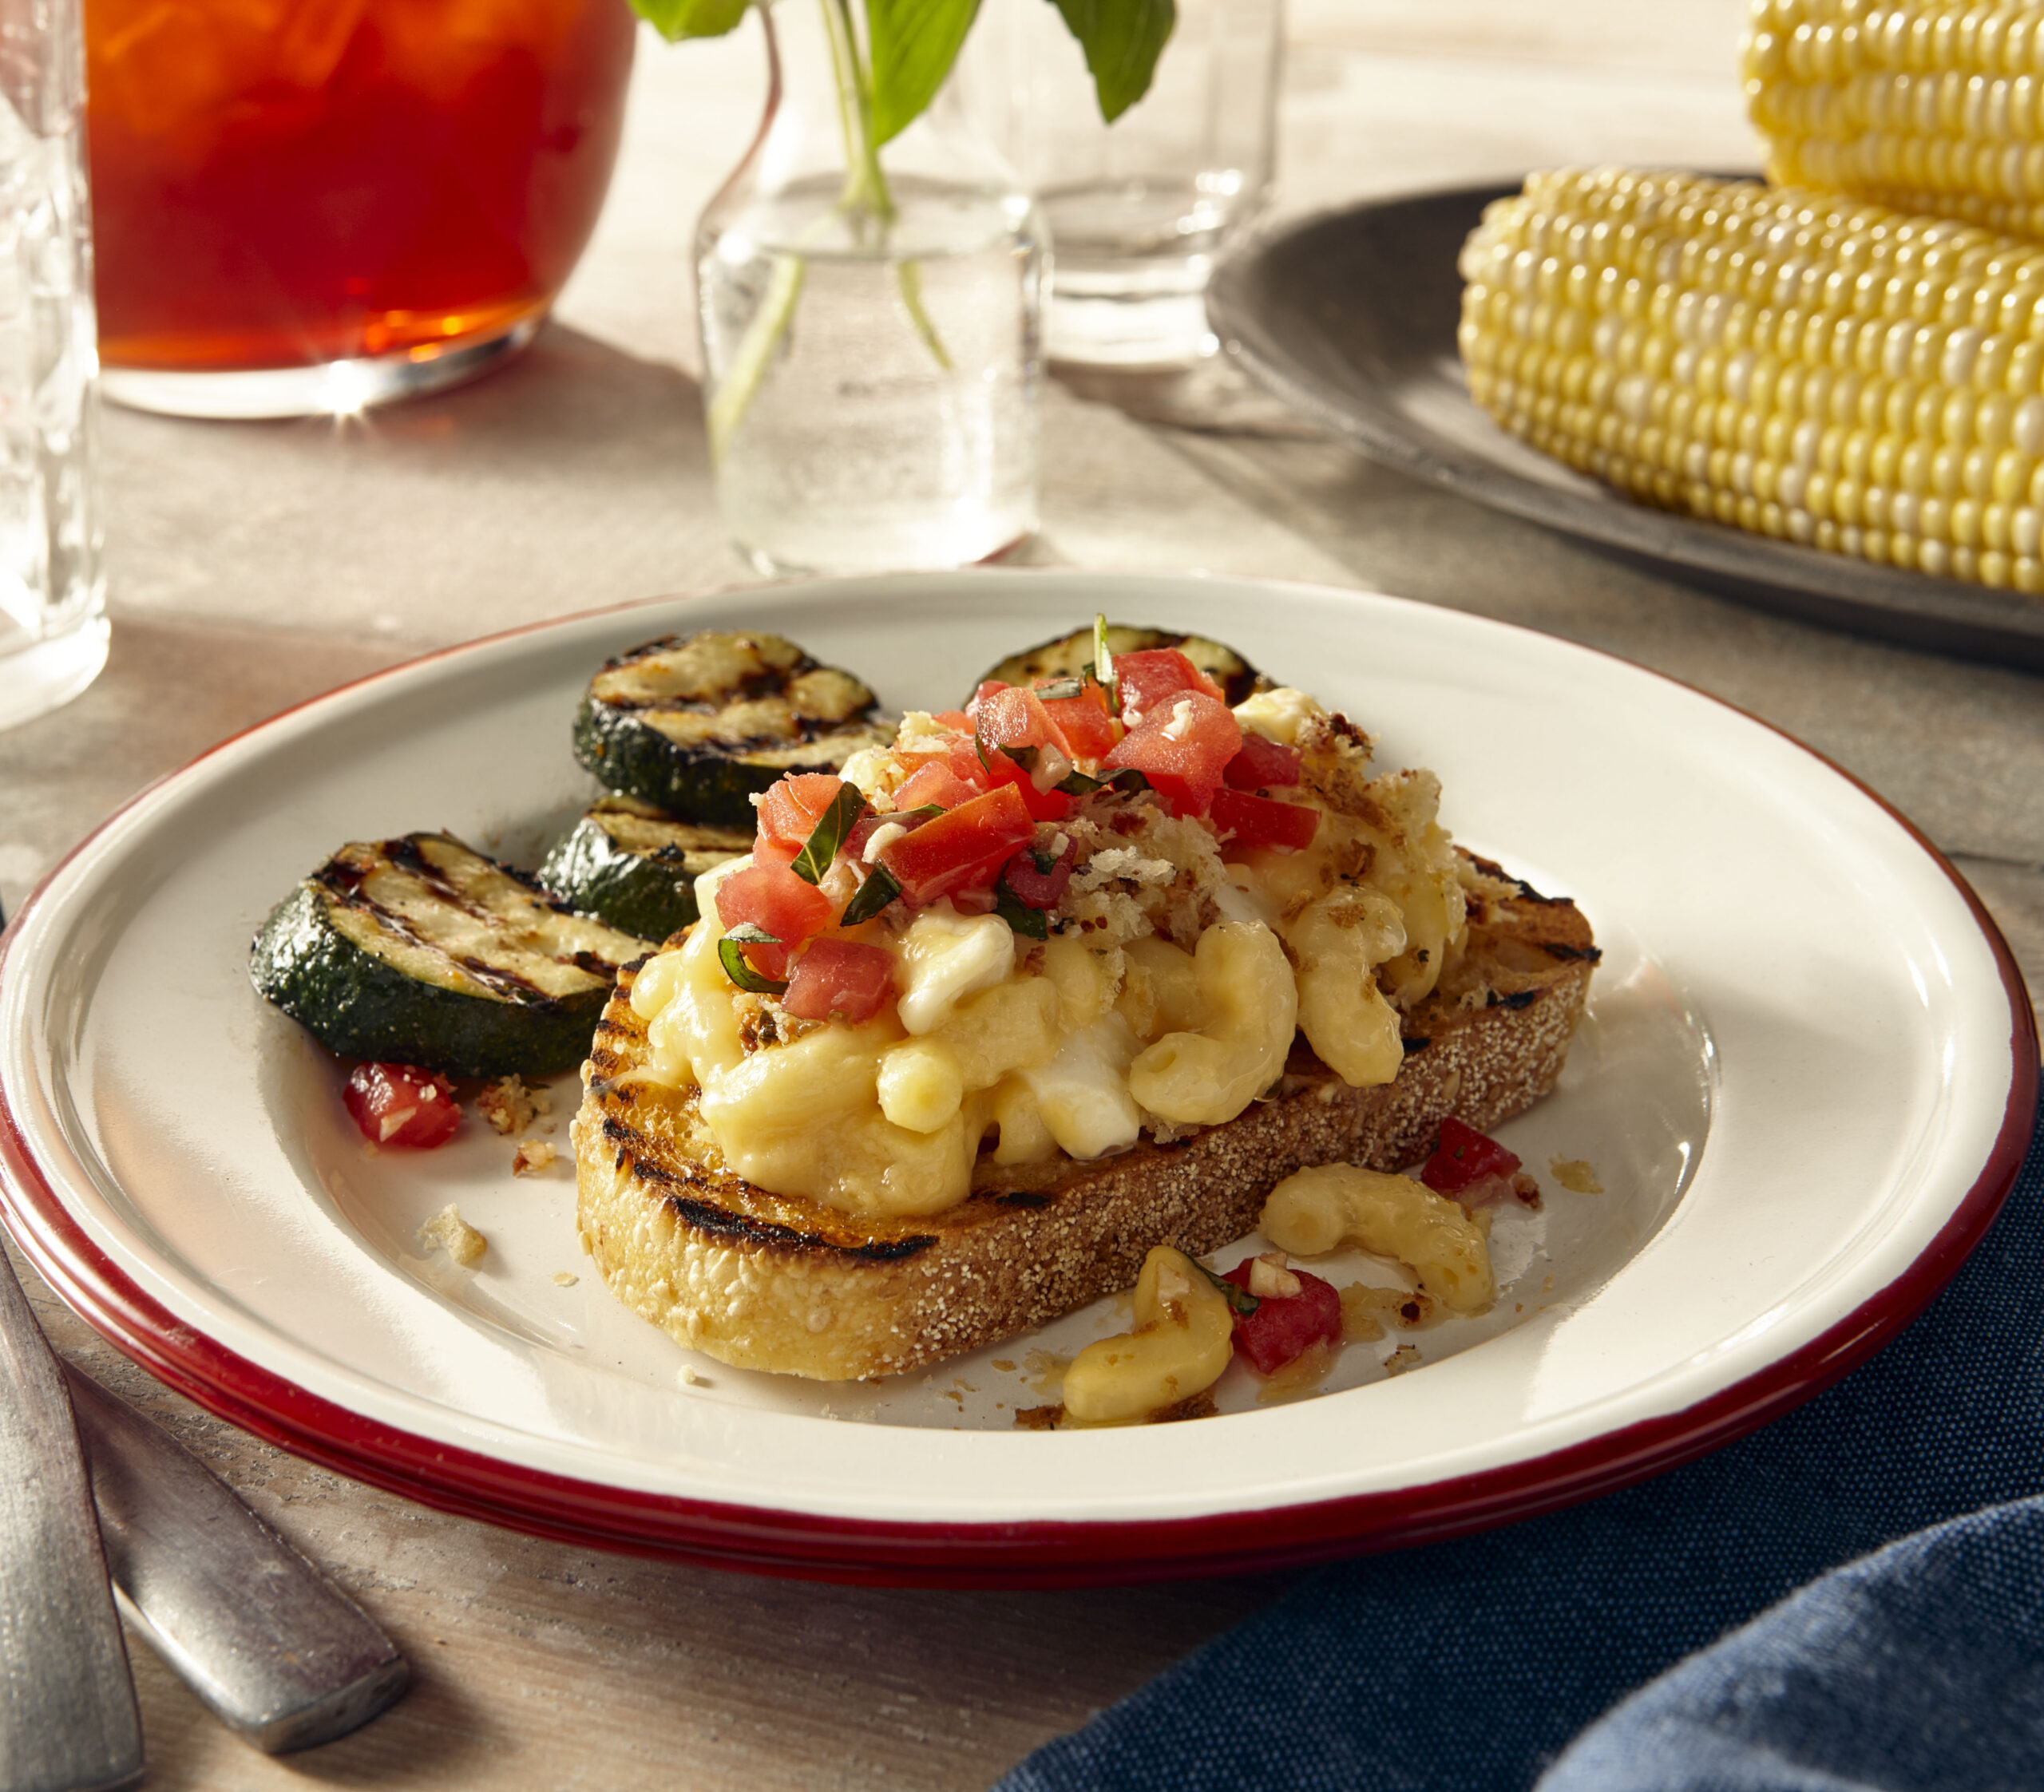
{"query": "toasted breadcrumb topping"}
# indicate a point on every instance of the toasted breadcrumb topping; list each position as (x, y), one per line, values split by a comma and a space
(533, 1158)
(510, 1107)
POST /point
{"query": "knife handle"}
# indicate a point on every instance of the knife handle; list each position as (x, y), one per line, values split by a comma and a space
(271, 1646)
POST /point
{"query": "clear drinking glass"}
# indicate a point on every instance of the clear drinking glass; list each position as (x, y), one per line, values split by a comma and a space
(52, 627)
(872, 370)
(1140, 209)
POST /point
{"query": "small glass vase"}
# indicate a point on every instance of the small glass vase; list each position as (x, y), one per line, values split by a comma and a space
(872, 362)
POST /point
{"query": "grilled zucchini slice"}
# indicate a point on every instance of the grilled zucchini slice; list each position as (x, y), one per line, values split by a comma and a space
(698, 725)
(1072, 654)
(634, 866)
(420, 951)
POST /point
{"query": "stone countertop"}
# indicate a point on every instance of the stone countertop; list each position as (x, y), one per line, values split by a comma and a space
(253, 565)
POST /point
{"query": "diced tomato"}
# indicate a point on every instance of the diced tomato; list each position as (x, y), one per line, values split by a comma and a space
(1262, 765)
(1246, 820)
(1465, 1156)
(1089, 728)
(933, 782)
(401, 1104)
(958, 752)
(1009, 717)
(840, 978)
(1040, 889)
(956, 720)
(790, 811)
(772, 896)
(1146, 679)
(1284, 1327)
(1080, 727)
(1182, 747)
(964, 846)
(1006, 716)
(1044, 805)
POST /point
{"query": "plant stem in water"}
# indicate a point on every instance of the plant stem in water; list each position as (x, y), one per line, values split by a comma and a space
(866, 200)
(908, 277)
(867, 194)
(748, 369)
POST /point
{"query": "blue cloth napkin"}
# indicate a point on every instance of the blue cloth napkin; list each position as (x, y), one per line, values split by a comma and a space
(1467, 1665)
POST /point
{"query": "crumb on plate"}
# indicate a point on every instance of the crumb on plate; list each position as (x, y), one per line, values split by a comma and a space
(533, 1158)
(1575, 1175)
(449, 1231)
(509, 1106)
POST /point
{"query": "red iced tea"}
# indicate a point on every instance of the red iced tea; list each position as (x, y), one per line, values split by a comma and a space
(279, 183)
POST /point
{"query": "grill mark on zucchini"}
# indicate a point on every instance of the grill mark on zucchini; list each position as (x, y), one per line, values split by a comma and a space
(506, 981)
(634, 867)
(698, 725)
(381, 919)
(1072, 654)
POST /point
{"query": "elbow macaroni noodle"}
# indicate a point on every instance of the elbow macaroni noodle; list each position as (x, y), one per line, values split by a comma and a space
(1320, 1210)
(1183, 1337)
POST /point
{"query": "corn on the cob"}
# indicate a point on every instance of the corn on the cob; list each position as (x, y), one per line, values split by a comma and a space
(1786, 361)
(1936, 105)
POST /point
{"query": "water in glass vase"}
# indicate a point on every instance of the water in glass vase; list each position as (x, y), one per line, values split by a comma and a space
(872, 386)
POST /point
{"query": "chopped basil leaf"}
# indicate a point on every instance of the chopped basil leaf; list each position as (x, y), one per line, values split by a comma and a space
(1020, 917)
(730, 953)
(879, 889)
(829, 834)
(1045, 863)
(1025, 756)
(1058, 689)
(1237, 1296)
(901, 817)
(1128, 780)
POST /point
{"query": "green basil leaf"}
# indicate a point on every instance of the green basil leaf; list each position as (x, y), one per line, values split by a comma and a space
(914, 43)
(676, 19)
(1032, 922)
(829, 834)
(1025, 756)
(901, 817)
(1058, 689)
(1122, 39)
(879, 889)
(1128, 780)
(1237, 1296)
(730, 953)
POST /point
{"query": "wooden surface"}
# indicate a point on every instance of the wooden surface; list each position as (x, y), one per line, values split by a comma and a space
(253, 565)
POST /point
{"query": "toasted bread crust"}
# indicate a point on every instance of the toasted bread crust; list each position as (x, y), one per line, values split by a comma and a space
(766, 1282)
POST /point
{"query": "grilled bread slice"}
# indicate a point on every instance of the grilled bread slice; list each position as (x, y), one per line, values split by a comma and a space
(763, 1281)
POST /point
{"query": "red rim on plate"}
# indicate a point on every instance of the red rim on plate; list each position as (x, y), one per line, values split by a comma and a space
(959, 1554)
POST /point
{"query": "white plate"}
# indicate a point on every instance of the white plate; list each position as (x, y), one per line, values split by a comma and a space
(1805, 1087)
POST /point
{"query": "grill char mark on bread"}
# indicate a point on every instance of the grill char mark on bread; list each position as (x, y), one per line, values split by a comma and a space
(763, 1281)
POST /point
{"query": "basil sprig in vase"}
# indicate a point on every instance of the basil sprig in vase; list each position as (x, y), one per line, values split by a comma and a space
(871, 280)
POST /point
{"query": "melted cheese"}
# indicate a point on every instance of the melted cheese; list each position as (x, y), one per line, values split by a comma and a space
(946, 956)
(1279, 715)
